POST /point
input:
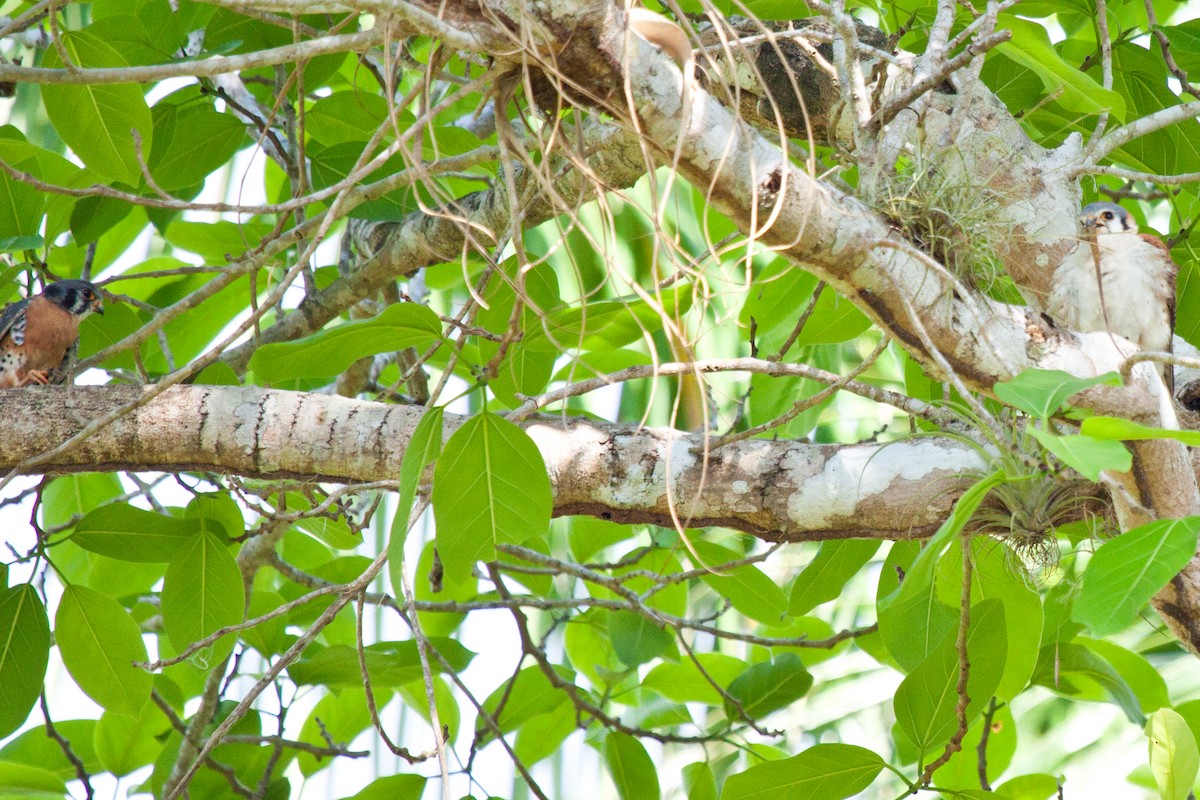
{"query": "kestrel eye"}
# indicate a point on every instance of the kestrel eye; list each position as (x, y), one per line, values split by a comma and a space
(1107, 215)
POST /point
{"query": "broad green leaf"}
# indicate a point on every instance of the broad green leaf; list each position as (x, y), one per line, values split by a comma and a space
(1139, 674)
(827, 574)
(823, 772)
(1030, 46)
(388, 663)
(768, 687)
(590, 649)
(605, 324)
(99, 642)
(685, 682)
(747, 587)
(24, 651)
(22, 780)
(544, 734)
(1087, 456)
(912, 620)
(1142, 78)
(132, 534)
(1173, 755)
(393, 787)
(926, 700)
(69, 495)
(776, 298)
(331, 351)
(21, 205)
(341, 715)
(636, 639)
(1127, 431)
(124, 744)
(490, 486)
(216, 513)
(1041, 392)
(449, 715)
(699, 782)
(997, 577)
(423, 449)
(1029, 787)
(1125, 572)
(962, 770)
(835, 319)
(36, 748)
(630, 767)
(352, 116)
(191, 140)
(202, 592)
(97, 120)
(530, 694)
(1074, 671)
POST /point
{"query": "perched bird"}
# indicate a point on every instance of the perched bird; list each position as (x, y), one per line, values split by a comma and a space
(38, 335)
(1117, 280)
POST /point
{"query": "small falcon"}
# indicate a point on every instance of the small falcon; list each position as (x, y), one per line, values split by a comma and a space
(39, 335)
(1117, 280)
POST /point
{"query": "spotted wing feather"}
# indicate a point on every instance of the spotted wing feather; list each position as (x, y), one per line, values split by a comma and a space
(12, 319)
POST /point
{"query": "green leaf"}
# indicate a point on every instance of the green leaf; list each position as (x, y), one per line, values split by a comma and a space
(423, 449)
(1074, 671)
(747, 587)
(1029, 787)
(1041, 392)
(776, 298)
(96, 120)
(340, 715)
(490, 485)
(1126, 431)
(1125, 572)
(202, 592)
(826, 575)
(77, 494)
(24, 651)
(528, 695)
(1173, 755)
(823, 772)
(636, 639)
(1087, 456)
(630, 767)
(926, 700)
(132, 534)
(1075, 91)
(544, 734)
(389, 664)
(769, 686)
(21, 780)
(21, 205)
(216, 513)
(124, 744)
(699, 781)
(352, 116)
(393, 787)
(36, 748)
(685, 682)
(99, 642)
(191, 141)
(331, 351)
(835, 319)
(912, 620)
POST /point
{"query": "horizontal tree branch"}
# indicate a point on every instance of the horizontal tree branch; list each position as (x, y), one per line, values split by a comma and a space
(777, 490)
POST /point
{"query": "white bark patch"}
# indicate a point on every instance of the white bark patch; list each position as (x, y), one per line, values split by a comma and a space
(855, 473)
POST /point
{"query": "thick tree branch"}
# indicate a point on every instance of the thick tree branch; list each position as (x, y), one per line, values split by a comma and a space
(781, 491)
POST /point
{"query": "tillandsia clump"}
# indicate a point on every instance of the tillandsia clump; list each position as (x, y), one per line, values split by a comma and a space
(1027, 512)
(950, 220)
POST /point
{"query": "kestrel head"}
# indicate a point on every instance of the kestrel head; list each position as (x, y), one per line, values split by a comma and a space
(79, 297)
(1099, 218)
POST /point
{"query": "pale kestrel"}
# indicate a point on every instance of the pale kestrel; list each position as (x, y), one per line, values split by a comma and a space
(1117, 280)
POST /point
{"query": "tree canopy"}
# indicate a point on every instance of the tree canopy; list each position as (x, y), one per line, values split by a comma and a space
(492, 395)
